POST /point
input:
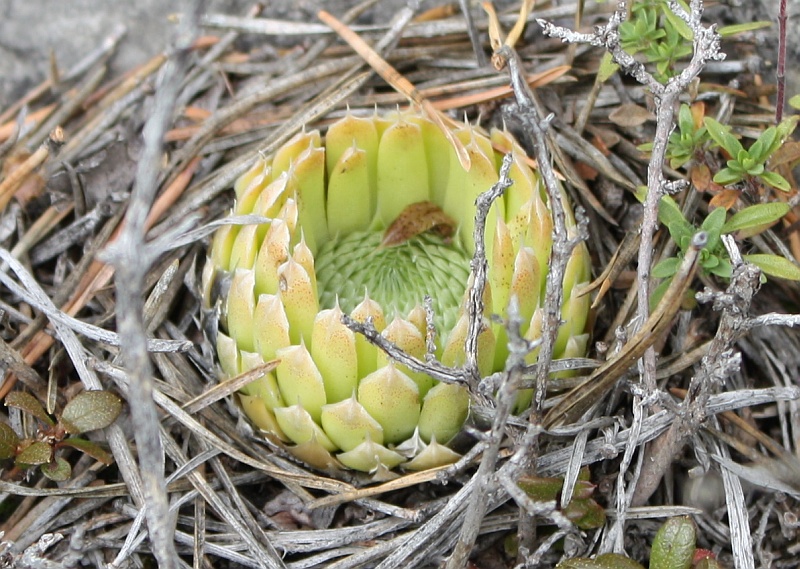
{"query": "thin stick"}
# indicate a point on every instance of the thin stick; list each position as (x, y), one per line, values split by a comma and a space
(129, 254)
(780, 99)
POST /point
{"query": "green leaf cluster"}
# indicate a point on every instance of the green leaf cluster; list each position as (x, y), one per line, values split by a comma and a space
(687, 140)
(750, 163)
(654, 31)
(87, 411)
(714, 258)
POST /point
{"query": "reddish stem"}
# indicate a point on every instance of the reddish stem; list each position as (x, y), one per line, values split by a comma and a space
(781, 73)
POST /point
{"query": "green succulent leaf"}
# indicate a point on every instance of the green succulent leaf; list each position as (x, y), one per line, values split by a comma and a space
(9, 440)
(755, 217)
(35, 454)
(674, 544)
(88, 447)
(723, 137)
(58, 471)
(774, 266)
(775, 180)
(794, 102)
(91, 410)
(29, 404)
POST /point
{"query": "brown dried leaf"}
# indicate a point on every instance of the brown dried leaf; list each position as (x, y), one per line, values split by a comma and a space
(417, 219)
(701, 177)
(725, 199)
(630, 115)
(788, 153)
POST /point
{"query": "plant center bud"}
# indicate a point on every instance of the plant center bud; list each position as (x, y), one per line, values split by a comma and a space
(397, 277)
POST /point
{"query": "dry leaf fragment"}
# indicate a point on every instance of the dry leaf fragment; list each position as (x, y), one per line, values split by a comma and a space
(417, 219)
(630, 115)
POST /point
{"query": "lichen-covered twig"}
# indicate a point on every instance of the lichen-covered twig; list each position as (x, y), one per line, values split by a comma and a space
(132, 258)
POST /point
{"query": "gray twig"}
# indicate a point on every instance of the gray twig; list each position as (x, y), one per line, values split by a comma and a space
(133, 258)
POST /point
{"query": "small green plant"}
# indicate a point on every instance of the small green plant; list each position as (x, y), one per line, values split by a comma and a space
(88, 411)
(674, 547)
(658, 34)
(745, 165)
(714, 260)
(582, 509)
(662, 38)
(690, 136)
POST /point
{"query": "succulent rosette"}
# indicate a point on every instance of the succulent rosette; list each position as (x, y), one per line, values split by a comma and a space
(367, 221)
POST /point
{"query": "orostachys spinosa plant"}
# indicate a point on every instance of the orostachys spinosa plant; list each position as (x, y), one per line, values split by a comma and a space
(367, 221)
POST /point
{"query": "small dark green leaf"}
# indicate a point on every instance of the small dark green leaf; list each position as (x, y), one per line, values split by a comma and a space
(8, 442)
(91, 410)
(579, 563)
(583, 489)
(674, 544)
(586, 514)
(58, 471)
(35, 454)
(29, 404)
(666, 268)
(617, 561)
(775, 266)
(756, 216)
(775, 180)
(541, 489)
(92, 449)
